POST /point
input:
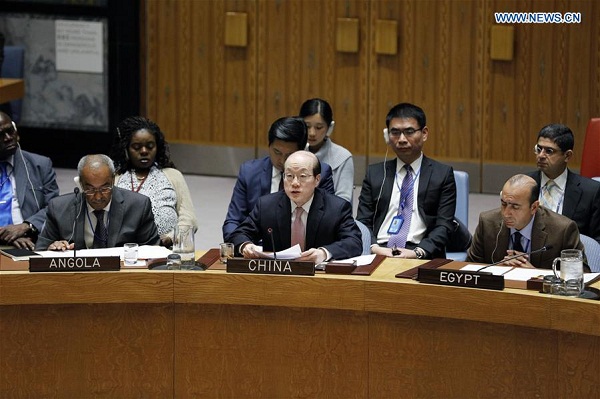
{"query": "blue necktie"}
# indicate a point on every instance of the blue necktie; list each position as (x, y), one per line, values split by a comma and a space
(406, 207)
(100, 233)
(5, 196)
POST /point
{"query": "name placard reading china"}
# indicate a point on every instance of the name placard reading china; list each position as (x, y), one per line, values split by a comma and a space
(75, 264)
(270, 266)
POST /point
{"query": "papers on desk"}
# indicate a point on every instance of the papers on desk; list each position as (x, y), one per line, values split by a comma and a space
(521, 273)
(290, 253)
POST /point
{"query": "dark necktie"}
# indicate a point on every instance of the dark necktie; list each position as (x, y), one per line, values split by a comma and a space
(5, 196)
(405, 209)
(100, 233)
(281, 181)
(517, 246)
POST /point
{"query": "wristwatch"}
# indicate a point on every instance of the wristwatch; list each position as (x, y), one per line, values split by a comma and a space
(420, 252)
(33, 231)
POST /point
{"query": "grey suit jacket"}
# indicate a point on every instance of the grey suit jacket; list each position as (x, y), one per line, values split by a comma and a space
(36, 185)
(490, 241)
(130, 220)
(436, 202)
(581, 202)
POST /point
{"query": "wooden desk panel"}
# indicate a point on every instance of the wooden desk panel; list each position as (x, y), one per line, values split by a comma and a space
(11, 89)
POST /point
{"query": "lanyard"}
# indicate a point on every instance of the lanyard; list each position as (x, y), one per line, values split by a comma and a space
(410, 192)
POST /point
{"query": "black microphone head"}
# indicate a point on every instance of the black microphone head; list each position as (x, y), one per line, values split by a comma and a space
(76, 190)
(270, 230)
(547, 247)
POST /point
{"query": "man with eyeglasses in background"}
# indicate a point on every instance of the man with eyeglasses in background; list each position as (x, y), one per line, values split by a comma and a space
(109, 216)
(27, 184)
(320, 222)
(408, 203)
(561, 190)
(263, 176)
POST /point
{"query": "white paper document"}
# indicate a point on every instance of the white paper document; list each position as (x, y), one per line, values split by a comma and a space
(290, 253)
(495, 270)
(521, 273)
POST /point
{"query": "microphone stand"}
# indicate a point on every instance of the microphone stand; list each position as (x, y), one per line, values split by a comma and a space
(542, 249)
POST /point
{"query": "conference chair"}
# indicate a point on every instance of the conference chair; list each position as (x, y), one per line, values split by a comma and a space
(460, 238)
(590, 161)
(592, 252)
(14, 68)
(366, 237)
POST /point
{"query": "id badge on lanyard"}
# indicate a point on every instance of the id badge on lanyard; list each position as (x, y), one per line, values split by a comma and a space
(396, 224)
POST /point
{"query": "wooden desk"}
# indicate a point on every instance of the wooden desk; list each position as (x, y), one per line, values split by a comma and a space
(11, 89)
(210, 334)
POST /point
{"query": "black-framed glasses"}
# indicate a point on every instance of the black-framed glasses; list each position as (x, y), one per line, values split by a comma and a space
(302, 178)
(90, 192)
(537, 149)
(9, 130)
(406, 132)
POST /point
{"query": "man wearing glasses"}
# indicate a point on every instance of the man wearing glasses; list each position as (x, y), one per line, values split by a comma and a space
(561, 190)
(408, 203)
(320, 222)
(109, 216)
(262, 176)
(27, 184)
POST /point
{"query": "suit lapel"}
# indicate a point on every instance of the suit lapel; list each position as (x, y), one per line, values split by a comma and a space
(424, 177)
(539, 236)
(265, 179)
(116, 216)
(314, 218)
(572, 195)
(284, 225)
(20, 176)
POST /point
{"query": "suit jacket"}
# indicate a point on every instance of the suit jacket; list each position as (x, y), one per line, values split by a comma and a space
(254, 181)
(329, 224)
(436, 202)
(491, 238)
(36, 185)
(581, 202)
(130, 220)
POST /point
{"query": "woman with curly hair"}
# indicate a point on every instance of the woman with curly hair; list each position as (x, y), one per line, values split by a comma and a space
(143, 164)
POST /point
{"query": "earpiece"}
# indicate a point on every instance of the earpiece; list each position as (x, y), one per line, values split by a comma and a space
(386, 135)
(14, 125)
(330, 129)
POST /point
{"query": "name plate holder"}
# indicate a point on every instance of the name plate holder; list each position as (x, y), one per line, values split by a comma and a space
(270, 266)
(461, 278)
(75, 264)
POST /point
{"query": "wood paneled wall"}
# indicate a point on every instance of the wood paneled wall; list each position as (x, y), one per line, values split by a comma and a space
(479, 111)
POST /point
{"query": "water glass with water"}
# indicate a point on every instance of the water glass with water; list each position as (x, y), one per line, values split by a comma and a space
(130, 253)
(183, 245)
(571, 270)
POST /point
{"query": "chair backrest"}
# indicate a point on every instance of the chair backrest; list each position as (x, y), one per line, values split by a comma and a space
(590, 161)
(592, 252)
(462, 196)
(14, 67)
(366, 237)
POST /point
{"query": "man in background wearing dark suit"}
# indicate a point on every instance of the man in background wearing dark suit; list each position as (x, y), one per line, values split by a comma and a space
(321, 223)
(561, 190)
(109, 216)
(520, 226)
(260, 177)
(408, 203)
(27, 184)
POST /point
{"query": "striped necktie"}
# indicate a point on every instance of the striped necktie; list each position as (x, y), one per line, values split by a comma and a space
(548, 199)
(405, 209)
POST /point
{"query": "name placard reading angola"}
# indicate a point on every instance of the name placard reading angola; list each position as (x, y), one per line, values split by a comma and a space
(75, 264)
(460, 278)
(270, 266)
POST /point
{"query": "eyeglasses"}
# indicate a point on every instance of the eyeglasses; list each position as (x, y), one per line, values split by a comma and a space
(302, 178)
(537, 149)
(90, 192)
(406, 132)
(9, 130)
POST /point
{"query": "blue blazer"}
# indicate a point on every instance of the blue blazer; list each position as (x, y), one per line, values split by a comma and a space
(436, 202)
(254, 181)
(330, 224)
(130, 220)
(36, 185)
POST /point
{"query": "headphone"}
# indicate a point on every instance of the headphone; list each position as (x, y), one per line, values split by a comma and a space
(330, 129)
(386, 135)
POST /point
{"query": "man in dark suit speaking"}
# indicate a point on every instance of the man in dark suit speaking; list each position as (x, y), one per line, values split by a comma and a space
(109, 216)
(321, 223)
(408, 203)
(561, 190)
(262, 176)
(520, 226)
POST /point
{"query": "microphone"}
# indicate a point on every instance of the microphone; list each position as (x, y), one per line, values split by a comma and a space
(270, 231)
(74, 235)
(542, 249)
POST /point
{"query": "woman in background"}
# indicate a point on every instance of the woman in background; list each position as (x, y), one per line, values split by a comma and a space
(143, 164)
(318, 116)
